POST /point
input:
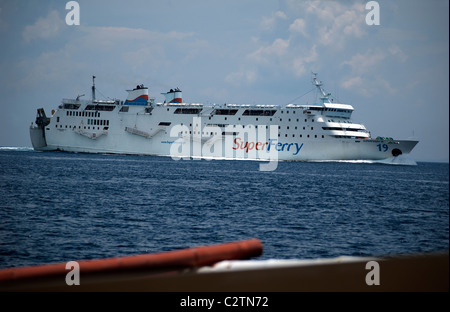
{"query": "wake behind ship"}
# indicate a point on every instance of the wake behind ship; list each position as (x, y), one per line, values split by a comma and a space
(139, 125)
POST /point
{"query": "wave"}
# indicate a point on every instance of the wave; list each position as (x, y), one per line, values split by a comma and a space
(16, 148)
(404, 160)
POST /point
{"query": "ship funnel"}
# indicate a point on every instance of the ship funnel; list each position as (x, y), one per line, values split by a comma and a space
(173, 96)
(137, 96)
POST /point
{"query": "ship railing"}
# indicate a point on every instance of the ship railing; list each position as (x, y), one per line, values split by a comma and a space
(251, 106)
(117, 102)
(182, 104)
(74, 101)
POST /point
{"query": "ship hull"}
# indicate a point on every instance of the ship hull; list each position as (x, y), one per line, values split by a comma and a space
(313, 152)
(164, 141)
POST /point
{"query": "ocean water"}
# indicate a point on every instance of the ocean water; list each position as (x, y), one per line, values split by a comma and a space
(58, 207)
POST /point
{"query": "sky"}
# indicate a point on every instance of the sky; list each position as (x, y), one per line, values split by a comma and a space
(395, 74)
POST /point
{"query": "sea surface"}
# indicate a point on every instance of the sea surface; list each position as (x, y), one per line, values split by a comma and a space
(58, 207)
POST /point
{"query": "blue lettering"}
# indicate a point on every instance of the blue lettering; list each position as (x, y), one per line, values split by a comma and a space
(270, 144)
(280, 147)
(298, 148)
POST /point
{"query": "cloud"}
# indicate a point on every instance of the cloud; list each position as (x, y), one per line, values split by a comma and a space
(338, 21)
(362, 66)
(279, 58)
(308, 31)
(299, 63)
(268, 23)
(363, 69)
(263, 55)
(341, 27)
(247, 76)
(352, 83)
(398, 52)
(140, 49)
(298, 26)
(44, 28)
(139, 52)
(47, 68)
(363, 63)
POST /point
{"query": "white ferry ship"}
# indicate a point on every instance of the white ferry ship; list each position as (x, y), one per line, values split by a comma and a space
(139, 125)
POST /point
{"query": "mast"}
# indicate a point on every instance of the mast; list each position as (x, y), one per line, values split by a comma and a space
(325, 96)
(93, 88)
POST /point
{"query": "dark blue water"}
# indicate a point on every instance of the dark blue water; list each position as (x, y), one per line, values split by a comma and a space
(57, 207)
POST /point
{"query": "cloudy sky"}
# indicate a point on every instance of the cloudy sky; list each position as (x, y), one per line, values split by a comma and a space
(395, 74)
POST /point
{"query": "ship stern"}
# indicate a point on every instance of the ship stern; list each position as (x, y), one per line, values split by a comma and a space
(37, 136)
(37, 132)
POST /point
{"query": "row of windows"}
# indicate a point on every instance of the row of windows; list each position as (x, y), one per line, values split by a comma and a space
(187, 111)
(70, 106)
(235, 133)
(271, 119)
(295, 128)
(225, 112)
(252, 112)
(259, 112)
(98, 107)
(83, 114)
(125, 109)
(342, 129)
(247, 112)
(79, 127)
(97, 114)
(301, 136)
(98, 122)
(349, 137)
(287, 112)
(234, 126)
(322, 109)
(95, 122)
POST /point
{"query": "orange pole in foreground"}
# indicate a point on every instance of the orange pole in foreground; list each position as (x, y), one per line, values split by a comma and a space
(179, 259)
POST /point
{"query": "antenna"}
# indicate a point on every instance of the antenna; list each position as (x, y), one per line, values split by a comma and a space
(93, 88)
(325, 96)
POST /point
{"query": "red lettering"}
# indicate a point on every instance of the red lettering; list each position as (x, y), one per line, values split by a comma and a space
(250, 146)
(236, 142)
(264, 145)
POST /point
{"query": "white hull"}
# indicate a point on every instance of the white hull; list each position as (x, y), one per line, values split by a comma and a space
(116, 140)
